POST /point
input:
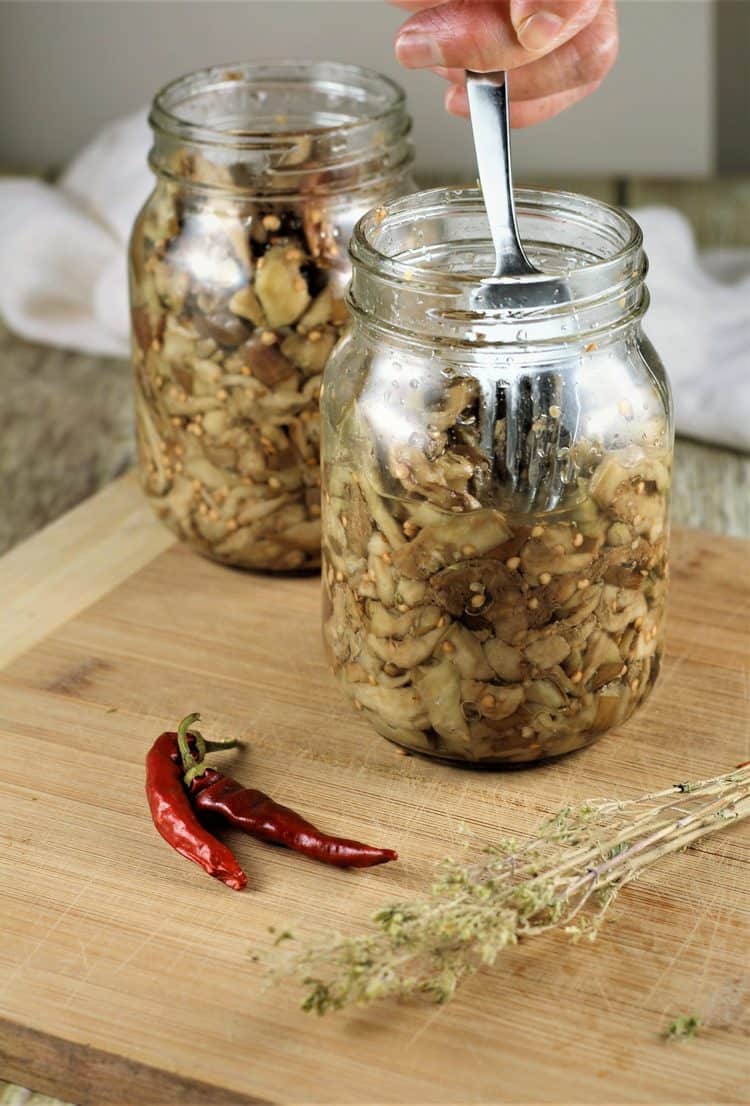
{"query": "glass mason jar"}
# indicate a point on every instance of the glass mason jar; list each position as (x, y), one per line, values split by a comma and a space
(496, 483)
(238, 266)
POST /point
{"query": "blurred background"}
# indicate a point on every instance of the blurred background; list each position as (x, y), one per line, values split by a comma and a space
(672, 106)
(670, 125)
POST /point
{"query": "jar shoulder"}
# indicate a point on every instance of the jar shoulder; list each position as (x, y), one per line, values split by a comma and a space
(613, 392)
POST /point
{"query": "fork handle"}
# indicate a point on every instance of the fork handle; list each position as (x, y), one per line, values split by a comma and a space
(488, 108)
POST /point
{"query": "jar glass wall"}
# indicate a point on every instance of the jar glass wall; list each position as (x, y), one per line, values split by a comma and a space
(238, 266)
(495, 515)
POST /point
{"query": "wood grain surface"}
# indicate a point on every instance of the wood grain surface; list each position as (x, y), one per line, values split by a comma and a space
(125, 973)
(50, 577)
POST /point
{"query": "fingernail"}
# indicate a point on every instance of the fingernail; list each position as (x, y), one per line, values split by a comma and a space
(417, 50)
(539, 31)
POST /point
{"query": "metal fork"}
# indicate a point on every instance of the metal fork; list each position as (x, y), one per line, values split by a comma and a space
(540, 409)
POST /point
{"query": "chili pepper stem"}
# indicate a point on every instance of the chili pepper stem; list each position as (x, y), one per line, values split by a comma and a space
(218, 746)
(188, 760)
(196, 766)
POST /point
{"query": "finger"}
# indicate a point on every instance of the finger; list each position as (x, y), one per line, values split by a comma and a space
(586, 58)
(415, 5)
(456, 100)
(455, 76)
(583, 60)
(534, 20)
(530, 112)
(482, 34)
(525, 113)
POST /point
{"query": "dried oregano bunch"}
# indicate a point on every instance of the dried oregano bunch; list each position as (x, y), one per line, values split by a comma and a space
(566, 878)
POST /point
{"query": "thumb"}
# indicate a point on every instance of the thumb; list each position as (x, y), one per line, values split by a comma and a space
(542, 24)
(489, 34)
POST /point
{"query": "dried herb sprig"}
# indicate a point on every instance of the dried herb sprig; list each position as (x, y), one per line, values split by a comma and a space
(565, 878)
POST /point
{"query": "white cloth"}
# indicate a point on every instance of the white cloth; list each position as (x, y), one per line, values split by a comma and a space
(699, 321)
(63, 274)
(63, 280)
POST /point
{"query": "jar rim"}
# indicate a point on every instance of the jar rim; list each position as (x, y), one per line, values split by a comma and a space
(387, 99)
(366, 252)
(418, 262)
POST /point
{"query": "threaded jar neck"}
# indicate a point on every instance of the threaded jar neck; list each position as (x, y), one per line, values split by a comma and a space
(281, 127)
(418, 261)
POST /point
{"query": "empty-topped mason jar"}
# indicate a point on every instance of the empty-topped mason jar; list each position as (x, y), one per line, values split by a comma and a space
(238, 265)
(496, 483)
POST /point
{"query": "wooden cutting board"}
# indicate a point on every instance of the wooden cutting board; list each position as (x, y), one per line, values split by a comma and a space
(125, 973)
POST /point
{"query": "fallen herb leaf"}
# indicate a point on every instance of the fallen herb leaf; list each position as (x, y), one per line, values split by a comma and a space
(683, 1028)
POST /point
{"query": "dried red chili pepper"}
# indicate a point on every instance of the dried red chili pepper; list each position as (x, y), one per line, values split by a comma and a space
(257, 814)
(174, 816)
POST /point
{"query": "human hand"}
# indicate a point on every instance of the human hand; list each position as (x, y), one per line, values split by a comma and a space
(559, 51)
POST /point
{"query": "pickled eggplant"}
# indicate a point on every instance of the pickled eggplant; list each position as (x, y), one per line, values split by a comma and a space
(465, 631)
(236, 309)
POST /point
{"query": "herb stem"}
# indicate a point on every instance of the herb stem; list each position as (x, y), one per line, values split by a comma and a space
(565, 877)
